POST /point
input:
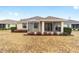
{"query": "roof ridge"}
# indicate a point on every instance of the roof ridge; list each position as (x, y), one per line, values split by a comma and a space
(39, 17)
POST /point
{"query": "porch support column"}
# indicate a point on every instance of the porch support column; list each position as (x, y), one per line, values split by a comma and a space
(62, 27)
(27, 25)
(42, 27)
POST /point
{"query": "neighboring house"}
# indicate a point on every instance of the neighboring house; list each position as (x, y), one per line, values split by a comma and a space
(40, 24)
(6, 24)
(72, 24)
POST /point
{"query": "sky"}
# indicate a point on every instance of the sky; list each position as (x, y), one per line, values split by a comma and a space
(21, 12)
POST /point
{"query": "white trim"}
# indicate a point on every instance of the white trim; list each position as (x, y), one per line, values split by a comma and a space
(62, 26)
(39, 26)
(42, 27)
(27, 25)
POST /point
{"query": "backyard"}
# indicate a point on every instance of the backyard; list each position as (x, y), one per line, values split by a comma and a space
(18, 42)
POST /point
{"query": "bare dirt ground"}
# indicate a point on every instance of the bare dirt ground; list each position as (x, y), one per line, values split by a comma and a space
(17, 42)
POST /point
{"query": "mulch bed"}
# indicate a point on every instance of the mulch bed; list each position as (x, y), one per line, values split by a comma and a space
(39, 33)
(20, 31)
(44, 34)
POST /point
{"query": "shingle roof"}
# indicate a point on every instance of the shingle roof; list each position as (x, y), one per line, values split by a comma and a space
(8, 21)
(71, 22)
(51, 17)
(38, 18)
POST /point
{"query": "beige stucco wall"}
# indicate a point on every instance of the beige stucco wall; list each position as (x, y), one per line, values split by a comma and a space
(19, 26)
(31, 27)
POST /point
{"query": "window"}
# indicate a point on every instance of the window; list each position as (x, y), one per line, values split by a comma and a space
(24, 25)
(35, 25)
(2, 25)
(58, 28)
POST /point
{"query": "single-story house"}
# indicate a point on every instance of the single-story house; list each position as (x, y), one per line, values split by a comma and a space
(40, 24)
(72, 24)
(6, 24)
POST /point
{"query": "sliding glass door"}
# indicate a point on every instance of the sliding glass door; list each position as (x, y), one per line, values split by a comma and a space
(48, 26)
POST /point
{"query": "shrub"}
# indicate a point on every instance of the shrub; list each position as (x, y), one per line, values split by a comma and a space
(20, 31)
(55, 33)
(3, 29)
(13, 29)
(45, 33)
(67, 31)
(30, 33)
(49, 33)
(38, 33)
